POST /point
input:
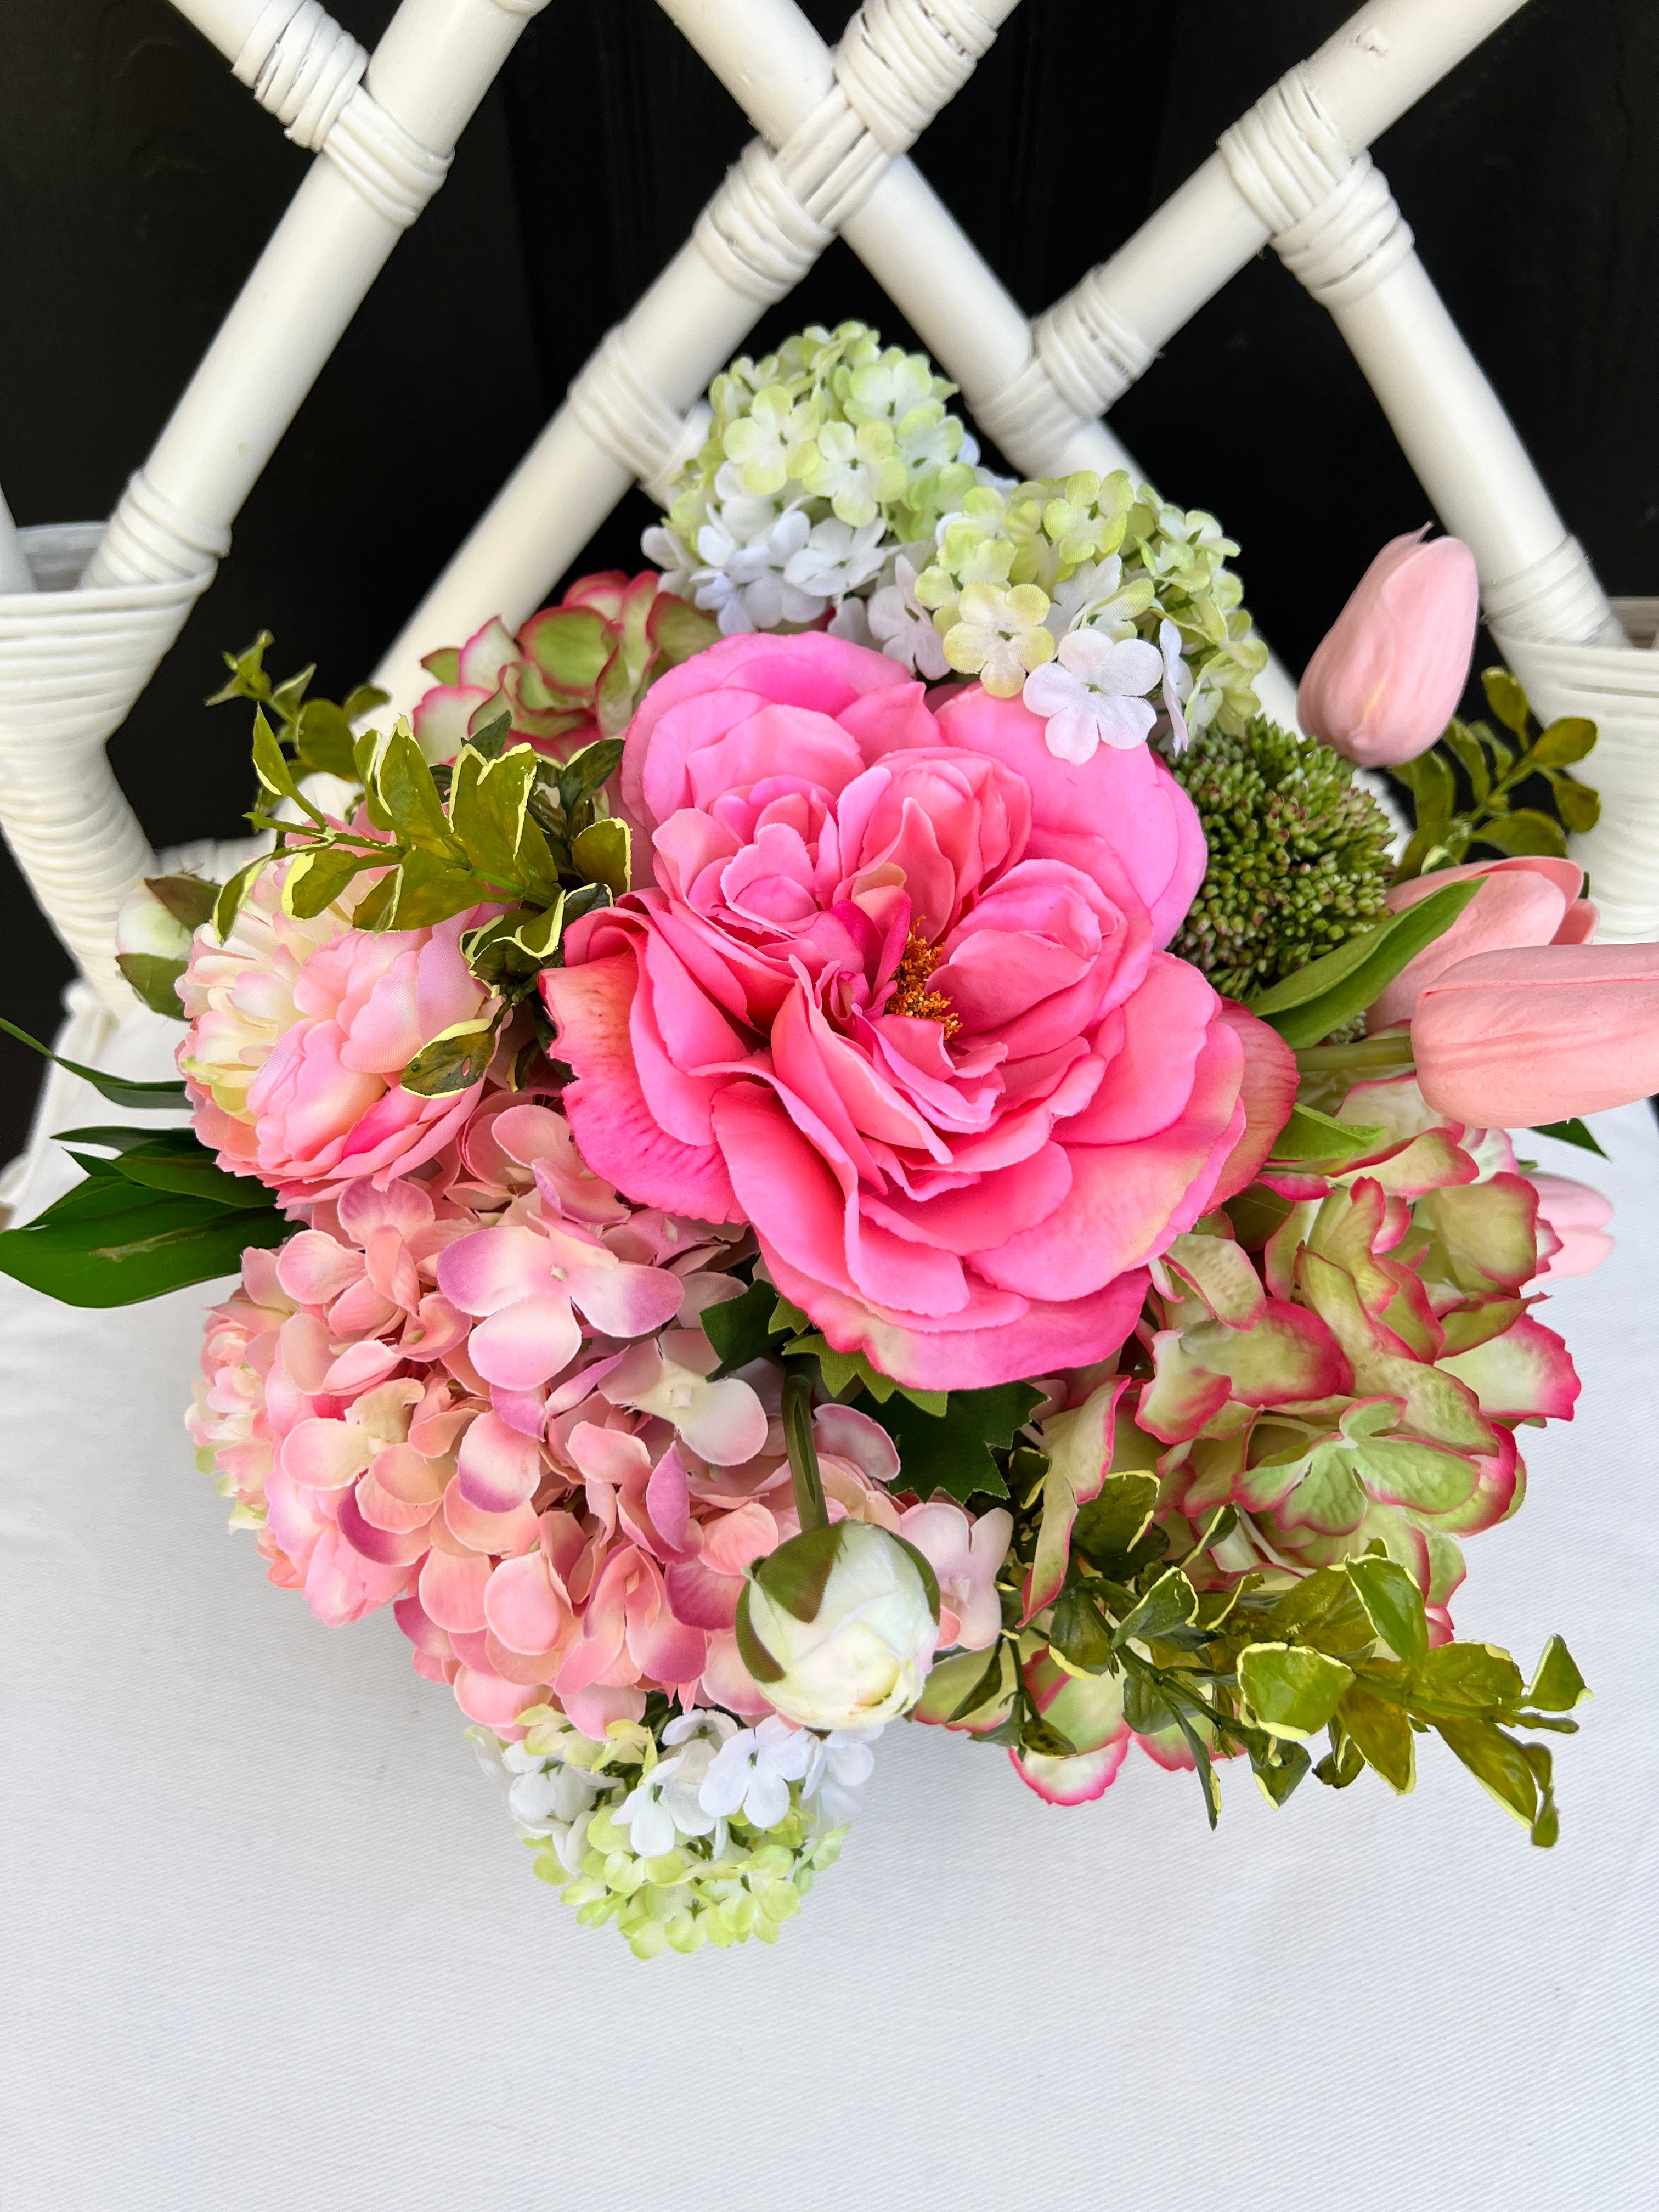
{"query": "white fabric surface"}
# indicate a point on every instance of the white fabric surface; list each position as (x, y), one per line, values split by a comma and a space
(269, 1941)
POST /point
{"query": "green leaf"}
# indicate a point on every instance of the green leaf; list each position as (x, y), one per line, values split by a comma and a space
(108, 1243)
(601, 855)
(1558, 1686)
(188, 899)
(753, 1653)
(401, 783)
(1170, 1603)
(1208, 1780)
(1497, 1761)
(322, 738)
(1112, 1524)
(515, 945)
(1578, 806)
(444, 666)
(154, 980)
(1472, 756)
(986, 1684)
(228, 904)
(248, 679)
(1383, 1734)
(1078, 1631)
(1570, 738)
(1310, 1135)
(176, 1160)
(456, 1059)
(364, 698)
(1546, 1825)
(424, 890)
(1319, 998)
(739, 1328)
(951, 1450)
(1434, 789)
(796, 1575)
(119, 1092)
(1570, 1132)
(1505, 698)
(1278, 1775)
(841, 1369)
(1476, 1675)
(489, 811)
(1292, 1691)
(587, 772)
(1393, 1606)
(1526, 830)
(270, 766)
(318, 873)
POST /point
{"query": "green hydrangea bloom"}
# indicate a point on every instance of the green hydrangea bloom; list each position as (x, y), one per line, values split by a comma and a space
(1298, 855)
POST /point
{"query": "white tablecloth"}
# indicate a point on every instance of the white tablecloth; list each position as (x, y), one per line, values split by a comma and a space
(269, 1941)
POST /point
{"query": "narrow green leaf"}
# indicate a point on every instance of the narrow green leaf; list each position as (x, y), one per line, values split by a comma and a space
(119, 1092)
(986, 1685)
(1310, 1135)
(228, 904)
(1307, 1007)
(601, 855)
(585, 773)
(107, 1243)
(739, 1328)
(1570, 1132)
(1472, 757)
(270, 766)
(317, 875)
(403, 786)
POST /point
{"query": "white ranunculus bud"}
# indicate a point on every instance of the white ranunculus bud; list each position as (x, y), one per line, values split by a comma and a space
(145, 927)
(839, 1625)
(154, 932)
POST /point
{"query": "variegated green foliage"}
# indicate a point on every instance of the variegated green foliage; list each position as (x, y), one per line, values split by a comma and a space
(1473, 757)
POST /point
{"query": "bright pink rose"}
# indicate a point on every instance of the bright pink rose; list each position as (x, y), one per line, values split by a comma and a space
(299, 1032)
(1530, 900)
(1387, 677)
(897, 997)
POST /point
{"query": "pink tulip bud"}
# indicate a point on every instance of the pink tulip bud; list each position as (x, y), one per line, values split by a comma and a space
(1388, 676)
(1531, 899)
(1577, 1216)
(1514, 1040)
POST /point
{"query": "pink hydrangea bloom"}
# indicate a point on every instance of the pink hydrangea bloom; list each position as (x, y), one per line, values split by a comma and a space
(482, 1396)
(898, 998)
(299, 1032)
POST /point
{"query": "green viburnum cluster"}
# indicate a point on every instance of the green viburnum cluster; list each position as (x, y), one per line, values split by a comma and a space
(1299, 859)
(735, 1879)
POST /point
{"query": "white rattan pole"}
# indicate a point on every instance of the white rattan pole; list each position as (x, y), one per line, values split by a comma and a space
(837, 121)
(75, 652)
(385, 155)
(16, 574)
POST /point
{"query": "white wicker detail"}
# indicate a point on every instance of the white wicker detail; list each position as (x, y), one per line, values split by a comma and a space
(830, 158)
(302, 67)
(71, 663)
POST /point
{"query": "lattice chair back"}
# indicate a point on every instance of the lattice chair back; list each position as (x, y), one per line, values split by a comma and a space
(831, 158)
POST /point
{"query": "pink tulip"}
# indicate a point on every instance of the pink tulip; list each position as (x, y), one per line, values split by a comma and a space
(1513, 1040)
(1530, 900)
(1388, 676)
(1577, 1216)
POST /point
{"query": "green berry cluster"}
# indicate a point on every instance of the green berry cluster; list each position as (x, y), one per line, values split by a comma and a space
(1298, 855)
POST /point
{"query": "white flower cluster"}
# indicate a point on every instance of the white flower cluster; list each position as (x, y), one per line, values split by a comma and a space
(821, 460)
(834, 484)
(712, 1839)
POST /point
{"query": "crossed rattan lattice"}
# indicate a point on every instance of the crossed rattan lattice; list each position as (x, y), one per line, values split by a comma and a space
(86, 612)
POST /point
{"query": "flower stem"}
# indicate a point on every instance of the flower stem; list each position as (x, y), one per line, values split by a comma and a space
(803, 1449)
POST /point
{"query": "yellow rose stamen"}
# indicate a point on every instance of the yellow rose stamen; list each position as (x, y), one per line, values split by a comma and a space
(911, 996)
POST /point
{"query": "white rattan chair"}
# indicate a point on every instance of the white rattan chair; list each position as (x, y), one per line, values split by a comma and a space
(86, 613)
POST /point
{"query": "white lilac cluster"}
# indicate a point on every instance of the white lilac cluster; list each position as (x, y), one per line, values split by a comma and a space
(834, 487)
(703, 1832)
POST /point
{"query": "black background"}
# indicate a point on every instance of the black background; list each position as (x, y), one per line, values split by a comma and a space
(138, 183)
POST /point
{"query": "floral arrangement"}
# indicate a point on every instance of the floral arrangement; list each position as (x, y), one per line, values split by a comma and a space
(842, 1132)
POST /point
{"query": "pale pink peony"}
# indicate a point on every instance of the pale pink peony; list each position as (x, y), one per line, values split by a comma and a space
(897, 997)
(299, 1032)
(1531, 899)
(1387, 677)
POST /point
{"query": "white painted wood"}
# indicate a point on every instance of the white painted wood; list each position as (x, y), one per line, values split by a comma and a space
(16, 574)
